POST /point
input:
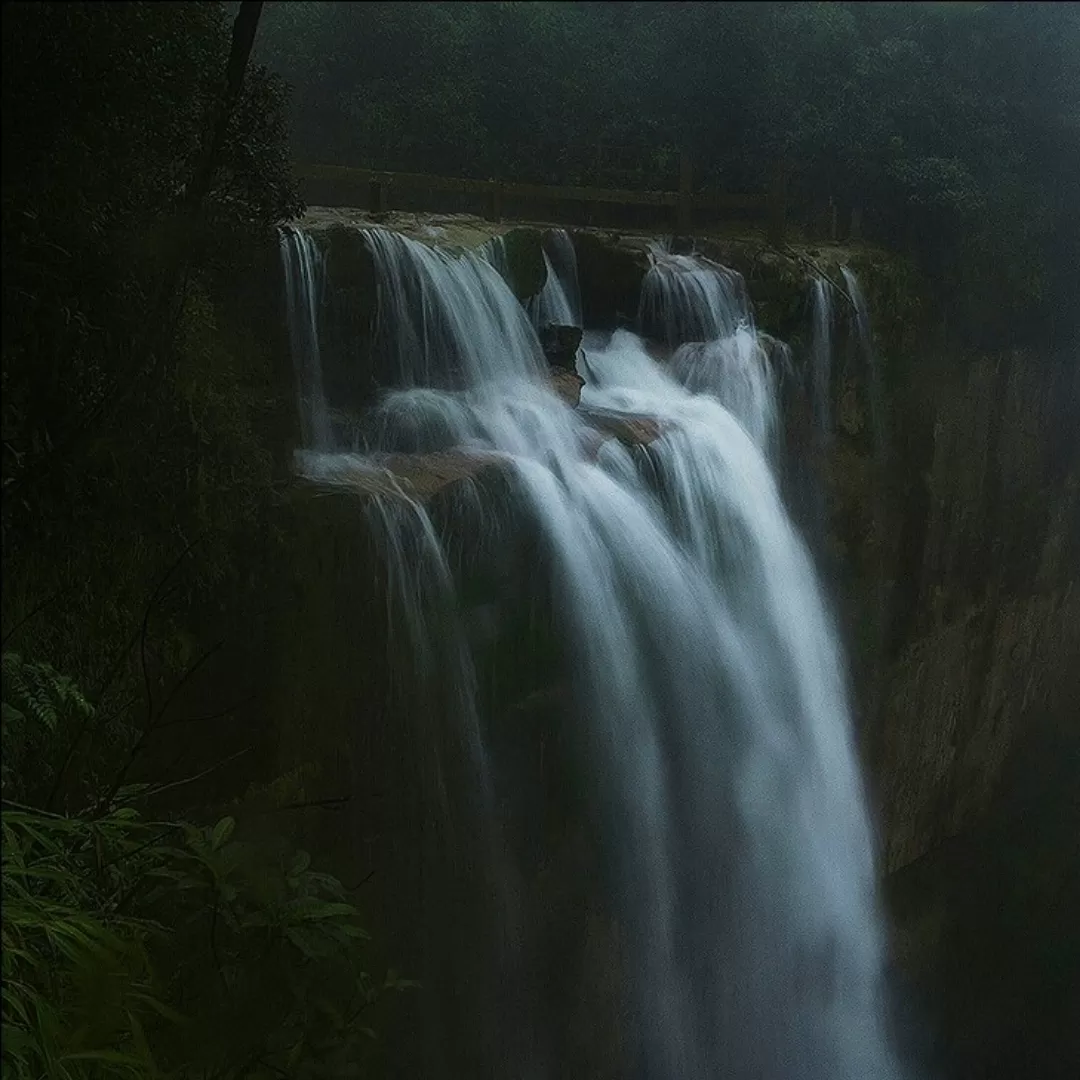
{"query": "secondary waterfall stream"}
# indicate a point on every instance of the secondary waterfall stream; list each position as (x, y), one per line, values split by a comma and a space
(705, 683)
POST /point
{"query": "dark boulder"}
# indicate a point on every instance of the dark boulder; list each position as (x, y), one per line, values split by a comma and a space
(560, 344)
(567, 384)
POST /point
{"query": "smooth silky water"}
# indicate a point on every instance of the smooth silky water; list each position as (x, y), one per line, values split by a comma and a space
(707, 678)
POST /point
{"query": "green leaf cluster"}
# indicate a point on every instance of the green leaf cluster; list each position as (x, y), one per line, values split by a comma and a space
(152, 948)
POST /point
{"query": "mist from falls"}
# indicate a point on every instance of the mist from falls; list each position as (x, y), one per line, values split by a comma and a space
(706, 681)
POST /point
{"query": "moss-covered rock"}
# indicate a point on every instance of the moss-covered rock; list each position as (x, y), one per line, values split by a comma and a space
(526, 271)
(610, 272)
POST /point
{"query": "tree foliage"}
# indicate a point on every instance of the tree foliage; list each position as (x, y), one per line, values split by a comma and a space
(145, 948)
(136, 461)
(117, 344)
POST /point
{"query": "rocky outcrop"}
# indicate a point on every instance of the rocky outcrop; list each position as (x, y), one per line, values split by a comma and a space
(407, 476)
(560, 344)
(610, 271)
(956, 704)
(983, 618)
(525, 269)
(630, 430)
(567, 384)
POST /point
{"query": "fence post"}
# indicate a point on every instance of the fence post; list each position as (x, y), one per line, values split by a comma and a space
(777, 206)
(686, 198)
(494, 200)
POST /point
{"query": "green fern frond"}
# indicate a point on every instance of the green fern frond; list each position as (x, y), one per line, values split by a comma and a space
(39, 693)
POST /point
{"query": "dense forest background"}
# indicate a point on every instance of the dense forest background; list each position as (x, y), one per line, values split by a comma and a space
(953, 127)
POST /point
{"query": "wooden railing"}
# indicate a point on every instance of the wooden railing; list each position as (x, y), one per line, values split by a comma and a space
(378, 191)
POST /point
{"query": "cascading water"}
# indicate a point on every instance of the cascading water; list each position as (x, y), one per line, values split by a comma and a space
(303, 266)
(707, 686)
(446, 320)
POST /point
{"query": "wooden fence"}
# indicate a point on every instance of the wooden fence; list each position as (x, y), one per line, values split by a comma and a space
(378, 191)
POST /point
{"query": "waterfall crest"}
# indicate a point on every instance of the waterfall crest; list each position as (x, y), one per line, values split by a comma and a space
(821, 350)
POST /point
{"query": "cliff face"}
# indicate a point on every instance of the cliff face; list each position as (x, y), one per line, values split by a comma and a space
(974, 752)
(985, 630)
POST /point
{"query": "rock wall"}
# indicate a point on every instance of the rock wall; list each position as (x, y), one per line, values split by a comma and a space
(986, 630)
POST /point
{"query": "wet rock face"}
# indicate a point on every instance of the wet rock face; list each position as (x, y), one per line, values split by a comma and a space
(958, 566)
(560, 344)
(610, 272)
(567, 384)
(990, 604)
(631, 431)
(525, 268)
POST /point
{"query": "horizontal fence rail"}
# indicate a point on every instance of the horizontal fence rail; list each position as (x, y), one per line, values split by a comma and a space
(377, 191)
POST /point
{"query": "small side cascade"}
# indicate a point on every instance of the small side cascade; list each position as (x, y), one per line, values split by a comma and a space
(446, 320)
(559, 302)
(700, 309)
(821, 350)
(737, 371)
(864, 340)
(690, 298)
(304, 280)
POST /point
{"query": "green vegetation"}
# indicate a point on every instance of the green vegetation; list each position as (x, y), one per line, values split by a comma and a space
(148, 948)
(118, 341)
(156, 921)
(953, 127)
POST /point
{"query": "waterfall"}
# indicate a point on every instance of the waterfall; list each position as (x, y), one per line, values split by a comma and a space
(710, 725)
(686, 298)
(738, 372)
(303, 266)
(448, 320)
